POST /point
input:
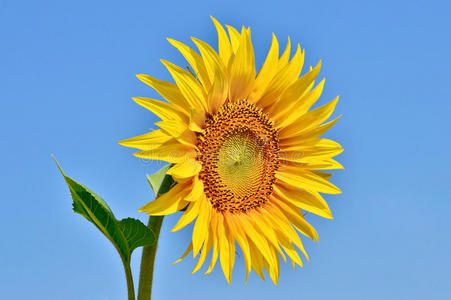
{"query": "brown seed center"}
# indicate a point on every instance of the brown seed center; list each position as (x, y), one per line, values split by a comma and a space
(239, 155)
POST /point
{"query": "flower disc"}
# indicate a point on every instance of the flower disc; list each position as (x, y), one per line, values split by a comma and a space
(239, 156)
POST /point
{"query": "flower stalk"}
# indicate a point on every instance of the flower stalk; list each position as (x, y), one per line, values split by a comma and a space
(149, 252)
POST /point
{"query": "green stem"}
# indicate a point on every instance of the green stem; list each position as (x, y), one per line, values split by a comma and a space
(149, 252)
(148, 260)
(129, 277)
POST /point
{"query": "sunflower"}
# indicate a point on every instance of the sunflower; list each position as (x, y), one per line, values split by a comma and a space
(245, 150)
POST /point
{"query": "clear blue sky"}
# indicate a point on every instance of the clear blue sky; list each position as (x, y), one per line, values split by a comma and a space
(67, 73)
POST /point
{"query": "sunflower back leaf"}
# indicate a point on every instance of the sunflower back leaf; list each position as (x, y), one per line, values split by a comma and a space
(155, 180)
(125, 235)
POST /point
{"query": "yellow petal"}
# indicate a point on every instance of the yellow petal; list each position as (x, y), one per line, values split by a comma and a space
(167, 203)
(308, 133)
(313, 203)
(196, 191)
(147, 141)
(265, 228)
(310, 145)
(284, 225)
(297, 219)
(201, 225)
(235, 38)
(211, 59)
(240, 236)
(307, 100)
(186, 169)
(273, 269)
(283, 79)
(231, 258)
(225, 49)
(242, 72)
(310, 119)
(167, 90)
(218, 92)
(285, 233)
(324, 164)
(188, 216)
(196, 120)
(203, 255)
(172, 152)
(288, 247)
(256, 237)
(163, 110)
(311, 156)
(324, 175)
(187, 251)
(305, 179)
(213, 233)
(257, 259)
(196, 62)
(291, 252)
(179, 131)
(305, 84)
(188, 85)
(231, 242)
(267, 71)
(292, 97)
(224, 252)
(283, 61)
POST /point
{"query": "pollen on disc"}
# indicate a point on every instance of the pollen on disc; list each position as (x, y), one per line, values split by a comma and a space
(239, 156)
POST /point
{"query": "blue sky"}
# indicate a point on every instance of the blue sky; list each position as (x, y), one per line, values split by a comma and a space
(67, 73)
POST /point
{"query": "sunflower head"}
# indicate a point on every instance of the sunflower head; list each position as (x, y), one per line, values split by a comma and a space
(246, 151)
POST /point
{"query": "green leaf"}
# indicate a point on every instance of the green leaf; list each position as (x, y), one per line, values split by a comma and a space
(136, 233)
(126, 235)
(155, 180)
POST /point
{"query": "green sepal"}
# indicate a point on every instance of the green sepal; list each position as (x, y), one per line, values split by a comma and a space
(156, 180)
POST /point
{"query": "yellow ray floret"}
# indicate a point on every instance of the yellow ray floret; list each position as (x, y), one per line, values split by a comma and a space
(247, 153)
